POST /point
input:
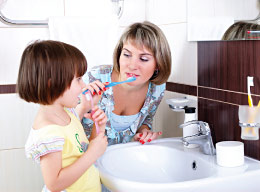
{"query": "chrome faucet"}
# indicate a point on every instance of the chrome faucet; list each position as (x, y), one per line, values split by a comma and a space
(202, 138)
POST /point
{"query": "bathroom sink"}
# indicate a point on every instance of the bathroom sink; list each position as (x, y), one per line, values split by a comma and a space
(165, 165)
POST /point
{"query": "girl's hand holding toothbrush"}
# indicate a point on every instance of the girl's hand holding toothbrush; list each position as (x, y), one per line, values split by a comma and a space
(99, 116)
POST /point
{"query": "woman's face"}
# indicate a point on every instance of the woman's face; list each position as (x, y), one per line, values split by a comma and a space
(138, 62)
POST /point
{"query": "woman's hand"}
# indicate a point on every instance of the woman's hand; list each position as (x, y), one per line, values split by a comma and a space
(96, 89)
(146, 135)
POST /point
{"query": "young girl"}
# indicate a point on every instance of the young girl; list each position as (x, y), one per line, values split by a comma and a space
(50, 75)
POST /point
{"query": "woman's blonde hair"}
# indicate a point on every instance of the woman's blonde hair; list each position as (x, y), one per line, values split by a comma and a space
(152, 38)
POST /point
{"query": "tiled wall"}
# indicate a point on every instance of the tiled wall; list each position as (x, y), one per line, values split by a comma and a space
(223, 68)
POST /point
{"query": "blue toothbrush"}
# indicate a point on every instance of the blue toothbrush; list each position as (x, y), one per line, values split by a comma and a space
(130, 79)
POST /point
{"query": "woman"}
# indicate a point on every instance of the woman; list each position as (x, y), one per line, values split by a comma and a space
(142, 52)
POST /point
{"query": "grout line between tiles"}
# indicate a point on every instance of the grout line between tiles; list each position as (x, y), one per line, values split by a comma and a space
(218, 101)
(11, 149)
(227, 90)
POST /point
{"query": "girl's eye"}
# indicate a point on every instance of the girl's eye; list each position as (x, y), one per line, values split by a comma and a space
(79, 78)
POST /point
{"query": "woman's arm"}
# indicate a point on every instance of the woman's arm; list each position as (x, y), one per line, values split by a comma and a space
(142, 128)
(145, 133)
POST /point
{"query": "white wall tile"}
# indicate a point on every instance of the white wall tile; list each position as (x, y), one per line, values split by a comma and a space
(251, 9)
(88, 8)
(166, 11)
(32, 9)
(238, 9)
(18, 173)
(13, 42)
(134, 11)
(16, 121)
(184, 54)
(199, 8)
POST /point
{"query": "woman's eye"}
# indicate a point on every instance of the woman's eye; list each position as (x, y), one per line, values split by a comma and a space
(126, 55)
(79, 78)
(144, 59)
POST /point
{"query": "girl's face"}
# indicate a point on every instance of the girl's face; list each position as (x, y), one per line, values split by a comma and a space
(138, 62)
(70, 97)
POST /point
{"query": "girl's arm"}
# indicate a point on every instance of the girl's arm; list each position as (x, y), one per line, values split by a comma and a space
(57, 178)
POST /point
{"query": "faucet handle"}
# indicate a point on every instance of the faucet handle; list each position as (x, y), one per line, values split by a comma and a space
(203, 127)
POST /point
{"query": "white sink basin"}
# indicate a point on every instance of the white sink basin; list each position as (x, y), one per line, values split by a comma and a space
(165, 165)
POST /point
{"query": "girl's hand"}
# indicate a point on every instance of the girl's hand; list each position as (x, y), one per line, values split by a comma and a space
(146, 135)
(99, 116)
(98, 145)
(83, 107)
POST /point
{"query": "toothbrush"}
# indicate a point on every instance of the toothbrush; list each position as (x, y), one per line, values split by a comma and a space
(130, 79)
(253, 32)
(250, 83)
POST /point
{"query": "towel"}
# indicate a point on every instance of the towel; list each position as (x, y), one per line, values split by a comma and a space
(95, 37)
(205, 29)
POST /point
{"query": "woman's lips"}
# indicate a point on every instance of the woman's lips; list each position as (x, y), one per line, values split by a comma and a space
(131, 75)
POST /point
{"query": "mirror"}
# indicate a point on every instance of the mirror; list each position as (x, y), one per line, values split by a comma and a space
(215, 20)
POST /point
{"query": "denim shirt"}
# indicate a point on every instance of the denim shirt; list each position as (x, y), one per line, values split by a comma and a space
(153, 98)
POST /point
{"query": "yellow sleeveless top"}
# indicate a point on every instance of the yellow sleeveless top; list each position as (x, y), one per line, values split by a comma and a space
(72, 141)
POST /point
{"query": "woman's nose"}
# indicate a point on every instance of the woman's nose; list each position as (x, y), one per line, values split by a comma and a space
(133, 64)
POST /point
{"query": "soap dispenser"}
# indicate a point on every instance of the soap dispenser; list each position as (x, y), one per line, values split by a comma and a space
(190, 115)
